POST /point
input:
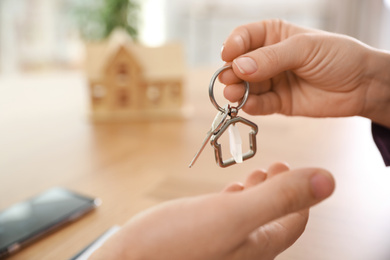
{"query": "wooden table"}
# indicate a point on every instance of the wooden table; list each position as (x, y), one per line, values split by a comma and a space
(47, 140)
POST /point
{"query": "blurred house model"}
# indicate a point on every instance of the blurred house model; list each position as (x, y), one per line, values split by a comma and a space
(128, 81)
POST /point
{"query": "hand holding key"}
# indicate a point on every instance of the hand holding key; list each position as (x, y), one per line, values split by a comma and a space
(221, 123)
(305, 72)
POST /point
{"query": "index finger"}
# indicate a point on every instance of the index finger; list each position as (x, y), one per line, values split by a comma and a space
(249, 37)
(281, 195)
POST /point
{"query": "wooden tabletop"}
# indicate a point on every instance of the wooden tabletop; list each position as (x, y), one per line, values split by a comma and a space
(46, 140)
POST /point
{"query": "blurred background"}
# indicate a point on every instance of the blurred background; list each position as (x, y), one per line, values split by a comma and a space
(47, 34)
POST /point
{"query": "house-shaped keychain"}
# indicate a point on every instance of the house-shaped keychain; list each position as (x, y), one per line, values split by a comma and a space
(129, 81)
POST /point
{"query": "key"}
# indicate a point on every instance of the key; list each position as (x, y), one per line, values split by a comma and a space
(219, 120)
(218, 148)
(221, 124)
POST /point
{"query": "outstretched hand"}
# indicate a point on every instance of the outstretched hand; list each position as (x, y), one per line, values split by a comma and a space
(298, 71)
(255, 220)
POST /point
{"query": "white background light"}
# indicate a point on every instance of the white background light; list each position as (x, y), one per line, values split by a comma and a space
(152, 31)
(387, 3)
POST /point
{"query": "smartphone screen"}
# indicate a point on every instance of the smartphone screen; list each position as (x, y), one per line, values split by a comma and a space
(26, 221)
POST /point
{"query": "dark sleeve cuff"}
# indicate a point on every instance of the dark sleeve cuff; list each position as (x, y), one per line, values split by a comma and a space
(381, 137)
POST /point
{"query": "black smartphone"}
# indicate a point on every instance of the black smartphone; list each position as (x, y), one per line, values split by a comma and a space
(27, 221)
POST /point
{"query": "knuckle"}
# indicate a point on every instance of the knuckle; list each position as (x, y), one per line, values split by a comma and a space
(290, 199)
(309, 38)
(269, 57)
(242, 32)
(276, 23)
(251, 106)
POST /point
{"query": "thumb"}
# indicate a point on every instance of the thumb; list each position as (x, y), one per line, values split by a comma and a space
(281, 195)
(267, 62)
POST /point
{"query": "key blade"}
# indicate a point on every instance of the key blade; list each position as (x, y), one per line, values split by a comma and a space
(218, 121)
(205, 141)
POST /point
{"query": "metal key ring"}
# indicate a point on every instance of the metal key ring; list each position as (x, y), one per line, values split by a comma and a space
(211, 90)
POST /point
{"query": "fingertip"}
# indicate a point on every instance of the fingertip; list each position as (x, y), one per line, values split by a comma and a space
(234, 187)
(254, 105)
(282, 195)
(256, 177)
(277, 168)
(264, 104)
(234, 92)
(232, 47)
(223, 53)
(228, 76)
(322, 184)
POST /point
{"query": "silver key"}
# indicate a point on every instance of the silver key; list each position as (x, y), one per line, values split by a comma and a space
(219, 120)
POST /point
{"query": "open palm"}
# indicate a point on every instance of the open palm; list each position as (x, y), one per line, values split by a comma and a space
(255, 220)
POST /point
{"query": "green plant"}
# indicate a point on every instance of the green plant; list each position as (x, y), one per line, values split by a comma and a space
(96, 19)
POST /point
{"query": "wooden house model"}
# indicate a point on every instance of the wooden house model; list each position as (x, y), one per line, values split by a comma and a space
(129, 81)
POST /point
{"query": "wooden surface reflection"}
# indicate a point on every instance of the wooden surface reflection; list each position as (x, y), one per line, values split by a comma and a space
(46, 140)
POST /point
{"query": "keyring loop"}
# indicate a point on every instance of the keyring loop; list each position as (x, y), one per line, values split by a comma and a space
(211, 90)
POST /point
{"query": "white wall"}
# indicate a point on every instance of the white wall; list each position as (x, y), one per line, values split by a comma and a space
(384, 35)
(203, 25)
(9, 56)
(35, 32)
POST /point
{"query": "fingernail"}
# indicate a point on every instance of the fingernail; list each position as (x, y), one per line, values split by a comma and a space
(246, 65)
(239, 42)
(223, 46)
(322, 186)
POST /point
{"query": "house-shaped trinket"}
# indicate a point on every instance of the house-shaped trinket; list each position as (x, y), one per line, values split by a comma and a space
(129, 81)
